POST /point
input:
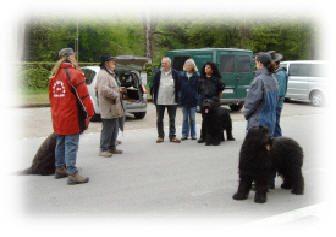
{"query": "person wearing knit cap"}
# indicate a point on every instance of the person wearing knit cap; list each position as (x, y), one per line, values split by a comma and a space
(260, 103)
(64, 112)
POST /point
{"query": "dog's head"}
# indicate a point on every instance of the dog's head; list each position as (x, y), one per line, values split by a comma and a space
(260, 137)
(208, 106)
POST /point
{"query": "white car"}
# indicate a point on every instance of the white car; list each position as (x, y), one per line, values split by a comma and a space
(135, 98)
(306, 80)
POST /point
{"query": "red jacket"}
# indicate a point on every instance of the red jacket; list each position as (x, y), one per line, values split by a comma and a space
(63, 103)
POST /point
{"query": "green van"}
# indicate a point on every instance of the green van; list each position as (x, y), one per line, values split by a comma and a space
(236, 67)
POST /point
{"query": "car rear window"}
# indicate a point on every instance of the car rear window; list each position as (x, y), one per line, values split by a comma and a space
(244, 63)
(307, 70)
(227, 63)
(89, 75)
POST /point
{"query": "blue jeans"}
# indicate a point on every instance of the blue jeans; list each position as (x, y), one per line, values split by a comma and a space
(277, 131)
(189, 121)
(109, 133)
(66, 152)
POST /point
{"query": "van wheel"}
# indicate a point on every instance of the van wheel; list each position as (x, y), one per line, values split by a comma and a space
(236, 108)
(317, 99)
(139, 115)
(95, 118)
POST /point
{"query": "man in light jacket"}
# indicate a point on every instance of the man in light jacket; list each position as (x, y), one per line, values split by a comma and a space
(110, 106)
(165, 94)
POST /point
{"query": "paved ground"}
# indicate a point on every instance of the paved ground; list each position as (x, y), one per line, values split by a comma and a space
(164, 180)
(36, 122)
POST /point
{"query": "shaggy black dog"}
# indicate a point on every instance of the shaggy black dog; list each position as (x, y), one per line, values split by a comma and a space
(44, 160)
(216, 119)
(260, 156)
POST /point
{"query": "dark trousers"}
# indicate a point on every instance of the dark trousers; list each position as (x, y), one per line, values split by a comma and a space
(109, 133)
(277, 132)
(160, 110)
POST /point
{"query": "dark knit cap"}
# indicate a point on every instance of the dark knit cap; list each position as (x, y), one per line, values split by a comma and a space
(264, 58)
(65, 52)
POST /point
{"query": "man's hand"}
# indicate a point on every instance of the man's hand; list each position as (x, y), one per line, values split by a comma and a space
(123, 90)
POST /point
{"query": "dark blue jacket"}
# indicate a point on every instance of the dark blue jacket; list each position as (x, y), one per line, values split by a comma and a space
(189, 90)
(156, 85)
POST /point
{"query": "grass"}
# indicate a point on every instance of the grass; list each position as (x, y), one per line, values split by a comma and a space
(28, 96)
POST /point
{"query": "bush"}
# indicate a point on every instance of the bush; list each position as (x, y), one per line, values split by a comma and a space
(35, 78)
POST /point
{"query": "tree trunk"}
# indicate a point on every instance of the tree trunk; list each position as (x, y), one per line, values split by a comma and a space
(149, 28)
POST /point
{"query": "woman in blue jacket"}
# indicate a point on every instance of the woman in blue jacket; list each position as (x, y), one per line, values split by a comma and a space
(262, 97)
(189, 98)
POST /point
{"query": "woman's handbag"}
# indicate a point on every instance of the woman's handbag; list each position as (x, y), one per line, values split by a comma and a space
(82, 113)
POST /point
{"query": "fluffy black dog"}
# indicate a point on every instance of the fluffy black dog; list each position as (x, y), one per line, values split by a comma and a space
(44, 160)
(260, 156)
(216, 119)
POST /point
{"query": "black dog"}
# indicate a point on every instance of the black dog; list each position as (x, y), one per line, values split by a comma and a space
(260, 156)
(216, 119)
(44, 160)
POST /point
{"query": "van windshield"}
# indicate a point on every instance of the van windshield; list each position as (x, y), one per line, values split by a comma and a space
(307, 70)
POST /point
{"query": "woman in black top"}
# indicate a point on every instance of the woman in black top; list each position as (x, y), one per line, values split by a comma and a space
(209, 87)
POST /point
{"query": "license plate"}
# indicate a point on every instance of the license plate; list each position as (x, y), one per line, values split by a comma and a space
(228, 91)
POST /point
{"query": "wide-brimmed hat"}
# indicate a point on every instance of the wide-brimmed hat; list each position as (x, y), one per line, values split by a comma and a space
(275, 57)
(65, 52)
(105, 57)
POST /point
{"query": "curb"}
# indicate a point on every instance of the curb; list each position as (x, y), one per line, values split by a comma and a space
(33, 105)
(46, 104)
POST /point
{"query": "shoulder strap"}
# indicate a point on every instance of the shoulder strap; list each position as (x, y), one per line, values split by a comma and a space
(68, 75)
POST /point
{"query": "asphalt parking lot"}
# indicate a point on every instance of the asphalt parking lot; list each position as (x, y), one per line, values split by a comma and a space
(36, 122)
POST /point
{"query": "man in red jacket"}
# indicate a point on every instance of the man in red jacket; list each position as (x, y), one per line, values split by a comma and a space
(64, 113)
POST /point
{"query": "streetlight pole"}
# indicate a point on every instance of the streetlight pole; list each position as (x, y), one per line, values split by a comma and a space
(76, 43)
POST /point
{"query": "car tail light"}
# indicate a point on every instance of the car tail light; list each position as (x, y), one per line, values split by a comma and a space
(144, 89)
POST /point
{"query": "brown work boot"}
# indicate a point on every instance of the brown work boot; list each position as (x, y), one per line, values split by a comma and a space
(76, 179)
(106, 154)
(174, 139)
(60, 172)
(159, 140)
(115, 151)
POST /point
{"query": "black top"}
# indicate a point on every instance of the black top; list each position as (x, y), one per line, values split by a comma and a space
(209, 88)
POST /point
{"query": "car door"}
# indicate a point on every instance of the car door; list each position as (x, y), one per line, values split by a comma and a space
(298, 86)
(91, 80)
(244, 69)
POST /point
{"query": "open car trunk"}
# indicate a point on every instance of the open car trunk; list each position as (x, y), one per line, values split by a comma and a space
(131, 82)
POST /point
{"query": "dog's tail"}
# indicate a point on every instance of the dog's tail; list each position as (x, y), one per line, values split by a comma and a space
(28, 171)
